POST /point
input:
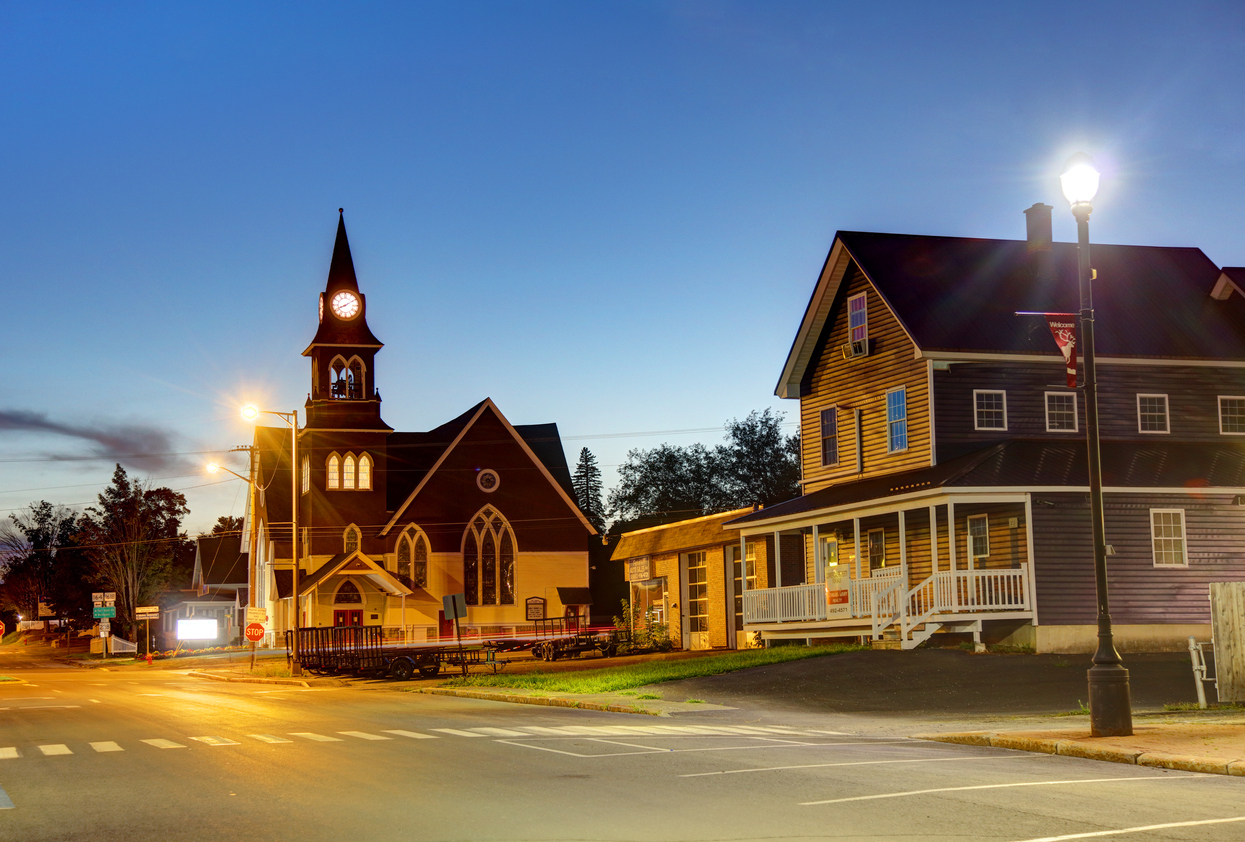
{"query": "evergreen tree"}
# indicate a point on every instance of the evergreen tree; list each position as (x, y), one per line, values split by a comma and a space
(587, 484)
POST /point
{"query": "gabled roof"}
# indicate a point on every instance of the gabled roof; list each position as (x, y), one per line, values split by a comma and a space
(219, 560)
(425, 452)
(1021, 464)
(334, 331)
(353, 564)
(960, 294)
(677, 537)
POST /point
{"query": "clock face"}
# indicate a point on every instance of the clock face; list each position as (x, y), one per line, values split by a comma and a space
(345, 305)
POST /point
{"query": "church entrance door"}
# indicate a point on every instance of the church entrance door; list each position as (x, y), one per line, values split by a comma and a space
(347, 618)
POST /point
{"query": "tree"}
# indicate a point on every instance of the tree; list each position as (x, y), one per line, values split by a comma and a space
(587, 484)
(132, 537)
(226, 525)
(757, 465)
(37, 559)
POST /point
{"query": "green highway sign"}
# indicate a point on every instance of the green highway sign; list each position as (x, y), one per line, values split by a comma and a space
(101, 611)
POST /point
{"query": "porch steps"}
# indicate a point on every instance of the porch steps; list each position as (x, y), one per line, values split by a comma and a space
(890, 640)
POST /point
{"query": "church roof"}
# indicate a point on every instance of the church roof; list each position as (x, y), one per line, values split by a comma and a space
(219, 560)
(334, 331)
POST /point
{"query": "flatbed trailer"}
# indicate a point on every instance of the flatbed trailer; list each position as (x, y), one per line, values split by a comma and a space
(362, 650)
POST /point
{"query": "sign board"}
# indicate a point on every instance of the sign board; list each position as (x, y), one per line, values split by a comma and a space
(254, 632)
(105, 628)
(100, 611)
(147, 612)
(838, 595)
(197, 629)
(639, 569)
(535, 608)
(45, 611)
(256, 615)
(455, 606)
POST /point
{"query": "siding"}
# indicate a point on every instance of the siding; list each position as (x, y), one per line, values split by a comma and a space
(1192, 402)
(862, 383)
(1138, 591)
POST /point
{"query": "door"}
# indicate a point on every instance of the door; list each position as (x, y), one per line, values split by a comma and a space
(445, 628)
(697, 601)
(347, 618)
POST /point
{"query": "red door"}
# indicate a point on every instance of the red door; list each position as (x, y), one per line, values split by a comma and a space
(347, 618)
(445, 628)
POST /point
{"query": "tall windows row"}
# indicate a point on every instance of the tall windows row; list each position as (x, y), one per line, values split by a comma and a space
(1153, 414)
(348, 473)
(488, 560)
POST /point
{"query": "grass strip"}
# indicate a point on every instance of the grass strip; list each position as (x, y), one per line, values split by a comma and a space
(614, 679)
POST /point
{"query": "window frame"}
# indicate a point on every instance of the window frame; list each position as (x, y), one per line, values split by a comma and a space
(863, 327)
(833, 412)
(1076, 411)
(890, 438)
(1167, 415)
(977, 409)
(349, 472)
(333, 472)
(1184, 539)
(361, 475)
(305, 480)
(869, 548)
(968, 531)
(1219, 402)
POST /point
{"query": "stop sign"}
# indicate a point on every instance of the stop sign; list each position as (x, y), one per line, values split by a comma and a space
(255, 632)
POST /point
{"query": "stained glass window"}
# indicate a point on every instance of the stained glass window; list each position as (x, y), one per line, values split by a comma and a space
(471, 568)
(404, 558)
(348, 472)
(489, 552)
(420, 577)
(352, 539)
(507, 569)
(365, 472)
(488, 563)
(334, 477)
(348, 593)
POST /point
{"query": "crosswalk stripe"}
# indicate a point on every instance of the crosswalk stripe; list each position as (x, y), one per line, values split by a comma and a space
(163, 744)
(8, 753)
(363, 735)
(215, 741)
(106, 746)
(541, 729)
(268, 738)
(414, 735)
(458, 733)
(498, 732)
(319, 738)
(53, 750)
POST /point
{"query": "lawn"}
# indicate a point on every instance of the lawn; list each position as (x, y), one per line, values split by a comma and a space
(614, 679)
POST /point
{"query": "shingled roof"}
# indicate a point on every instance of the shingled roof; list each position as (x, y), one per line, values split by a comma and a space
(677, 537)
(220, 560)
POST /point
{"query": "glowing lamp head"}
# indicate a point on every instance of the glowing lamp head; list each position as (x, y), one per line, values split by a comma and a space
(1079, 180)
(250, 412)
(212, 467)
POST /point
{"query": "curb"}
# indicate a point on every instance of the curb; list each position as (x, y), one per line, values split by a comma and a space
(243, 679)
(548, 701)
(1089, 751)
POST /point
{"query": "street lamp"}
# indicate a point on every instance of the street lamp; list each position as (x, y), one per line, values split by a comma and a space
(251, 413)
(1110, 709)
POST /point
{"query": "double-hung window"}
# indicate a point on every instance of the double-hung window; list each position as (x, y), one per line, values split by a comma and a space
(1152, 414)
(978, 536)
(858, 324)
(1168, 537)
(896, 420)
(877, 549)
(1061, 412)
(1231, 415)
(830, 436)
(989, 409)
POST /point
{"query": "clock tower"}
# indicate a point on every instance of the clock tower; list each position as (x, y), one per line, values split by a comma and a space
(343, 353)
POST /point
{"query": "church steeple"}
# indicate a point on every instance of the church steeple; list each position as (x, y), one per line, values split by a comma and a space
(343, 352)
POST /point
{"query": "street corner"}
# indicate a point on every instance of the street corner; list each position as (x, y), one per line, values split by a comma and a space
(966, 738)
(1092, 751)
(1183, 763)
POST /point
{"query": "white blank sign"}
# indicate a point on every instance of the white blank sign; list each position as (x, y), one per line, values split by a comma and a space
(198, 629)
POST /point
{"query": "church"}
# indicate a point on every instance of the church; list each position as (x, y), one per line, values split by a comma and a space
(389, 522)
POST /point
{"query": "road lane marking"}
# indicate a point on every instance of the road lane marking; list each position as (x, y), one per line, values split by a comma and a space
(6, 803)
(835, 733)
(106, 746)
(458, 733)
(94, 701)
(55, 749)
(319, 738)
(26, 698)
(150, 694)
(999, 786)
(363, 735)
(268, 738)
(414, 735)
(768, 746)
(8, 753)
(44, 707)
(499, 732)
(858, 763)
(215, 741)
(163, 744)
(1139, 829)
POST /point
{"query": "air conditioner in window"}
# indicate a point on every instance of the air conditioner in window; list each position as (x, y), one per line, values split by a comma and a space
(859, 348)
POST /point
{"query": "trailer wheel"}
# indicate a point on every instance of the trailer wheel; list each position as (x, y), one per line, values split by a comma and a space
(538, 651)
(551, 652)
(429, 670)
(401, 669)
(609, 650)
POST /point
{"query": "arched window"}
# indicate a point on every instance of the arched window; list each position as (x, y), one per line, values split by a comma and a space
(356, 379)
(348, 594)
(334, 473)
(306, 474)
(348, 471)
(340, 376)
(365, 473)
(351, 539)
(413, 557)
(488, 560)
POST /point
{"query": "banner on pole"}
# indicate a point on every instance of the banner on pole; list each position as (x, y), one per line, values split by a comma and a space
(1063, 328)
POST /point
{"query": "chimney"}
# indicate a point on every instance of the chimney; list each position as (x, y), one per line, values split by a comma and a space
(1038, 239)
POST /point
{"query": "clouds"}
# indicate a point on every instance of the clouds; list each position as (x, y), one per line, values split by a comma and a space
(133, 445)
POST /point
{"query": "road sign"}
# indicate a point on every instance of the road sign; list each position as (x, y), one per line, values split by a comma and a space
(256, 615)
(104, 628)
(254, 632)
(147, 612)
(97, 597)
(455, 605)
(100, 611)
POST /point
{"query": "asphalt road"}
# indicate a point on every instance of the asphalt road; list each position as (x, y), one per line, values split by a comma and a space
(94, 755)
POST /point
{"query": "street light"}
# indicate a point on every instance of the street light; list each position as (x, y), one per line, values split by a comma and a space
(1110, 709)
(251, 413)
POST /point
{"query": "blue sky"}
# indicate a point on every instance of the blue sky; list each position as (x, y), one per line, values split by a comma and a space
(608, 215)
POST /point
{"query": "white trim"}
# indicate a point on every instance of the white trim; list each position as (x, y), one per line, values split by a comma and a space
(1076, 411)
(815, 314)
(929, 398)
(1184, 540)
(972, 554)
(1033, 605)
(1219, 404)
(976, 419)
(981, 356)
(1167, 416)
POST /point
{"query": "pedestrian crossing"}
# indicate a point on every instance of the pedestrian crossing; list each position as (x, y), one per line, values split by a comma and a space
(529, 732)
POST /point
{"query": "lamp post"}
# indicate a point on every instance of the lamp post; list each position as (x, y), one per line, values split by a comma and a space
(251, 413)
(1110, 709)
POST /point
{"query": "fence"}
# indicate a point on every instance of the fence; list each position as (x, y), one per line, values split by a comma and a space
(1227, 628)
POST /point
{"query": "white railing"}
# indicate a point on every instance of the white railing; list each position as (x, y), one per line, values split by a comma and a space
(775, 605)
(888, 604)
